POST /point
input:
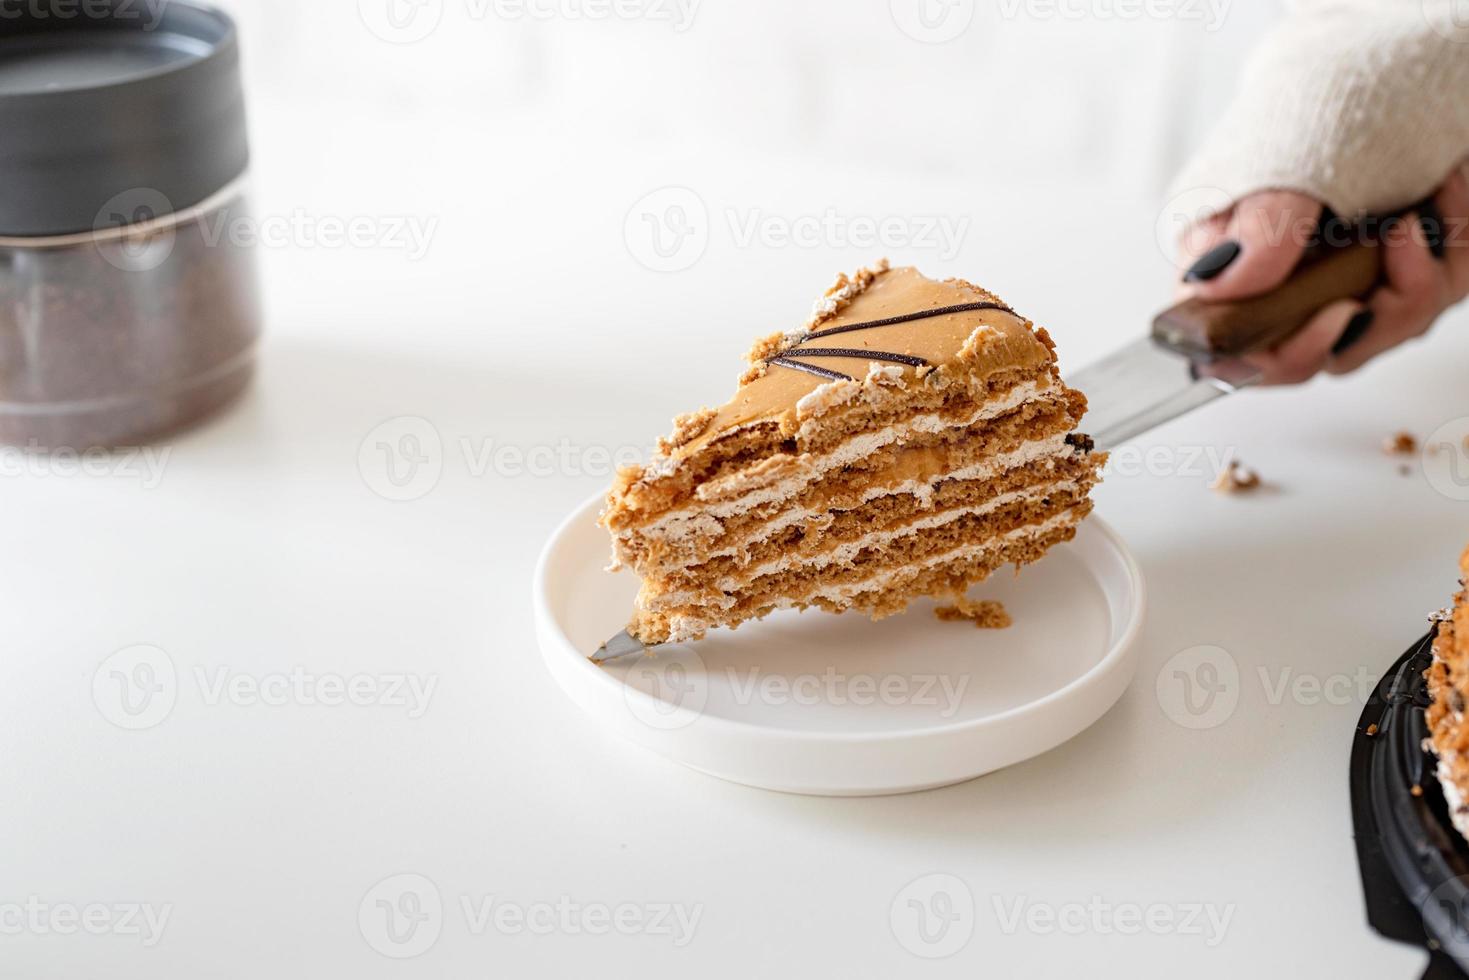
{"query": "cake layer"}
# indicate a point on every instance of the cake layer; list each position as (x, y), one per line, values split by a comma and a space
(905, 318)
(897, 488)
(874, 464)
(896, 547)
(762, 459)
(906, 325)
(885, 592)
(835, 538)
(737, 482)
(955, 573)
(853, 559)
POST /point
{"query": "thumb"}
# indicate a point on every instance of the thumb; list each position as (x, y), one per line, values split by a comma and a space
(1262, 241)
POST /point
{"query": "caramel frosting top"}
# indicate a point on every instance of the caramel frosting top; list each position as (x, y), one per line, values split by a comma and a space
(896, 322)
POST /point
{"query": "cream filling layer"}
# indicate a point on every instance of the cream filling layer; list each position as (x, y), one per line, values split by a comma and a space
(688, 627)
(843, 553)
(710, 503)
(1052, 447)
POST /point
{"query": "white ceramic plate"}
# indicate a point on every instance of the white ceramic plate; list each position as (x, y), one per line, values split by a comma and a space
(841, 706)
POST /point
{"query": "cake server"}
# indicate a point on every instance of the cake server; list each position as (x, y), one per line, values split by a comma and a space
(621, 645)
(1194, 354)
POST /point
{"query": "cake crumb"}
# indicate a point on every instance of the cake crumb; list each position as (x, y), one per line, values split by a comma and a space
(843, 291)
(771, 345)
(1372, 729)
(687, 428)
(1238, 478)
(983, 336)
(1401, 444)
(833, 394)
(1416, 790)
(985, 614)
(754, 373)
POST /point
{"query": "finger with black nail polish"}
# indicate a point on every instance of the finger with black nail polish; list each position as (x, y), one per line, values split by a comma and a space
(1432, 223)
(1331, 230)
(1213, 262)
(1356, 329)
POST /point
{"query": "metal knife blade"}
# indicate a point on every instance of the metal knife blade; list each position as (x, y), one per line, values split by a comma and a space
(1145, 384)
(621, 645)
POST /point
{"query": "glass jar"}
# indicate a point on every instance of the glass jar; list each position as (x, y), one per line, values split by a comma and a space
(128, 307)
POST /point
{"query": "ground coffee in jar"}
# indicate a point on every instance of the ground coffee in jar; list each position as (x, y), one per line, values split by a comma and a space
(128, 307)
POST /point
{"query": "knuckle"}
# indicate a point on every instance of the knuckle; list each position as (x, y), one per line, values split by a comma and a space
(1422, 310)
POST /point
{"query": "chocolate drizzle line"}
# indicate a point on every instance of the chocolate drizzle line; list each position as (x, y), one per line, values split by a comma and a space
(893, 321)
(786, 361)
(820, 372)
(871, 355)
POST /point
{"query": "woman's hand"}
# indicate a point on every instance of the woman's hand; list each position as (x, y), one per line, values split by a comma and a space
(1252, 248)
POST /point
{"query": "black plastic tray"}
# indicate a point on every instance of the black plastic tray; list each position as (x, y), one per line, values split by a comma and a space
(1415, 866)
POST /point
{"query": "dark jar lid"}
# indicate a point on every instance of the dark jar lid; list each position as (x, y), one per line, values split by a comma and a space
(113, 111)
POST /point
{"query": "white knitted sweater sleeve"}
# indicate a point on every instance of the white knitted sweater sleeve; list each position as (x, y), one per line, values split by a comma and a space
(1363, 104)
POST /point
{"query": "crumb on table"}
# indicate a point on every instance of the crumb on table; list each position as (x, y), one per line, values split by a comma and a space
(1237, 478)
(1400, 444)
(986, 614)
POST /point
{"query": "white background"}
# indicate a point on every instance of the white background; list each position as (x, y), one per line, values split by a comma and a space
(529, 321)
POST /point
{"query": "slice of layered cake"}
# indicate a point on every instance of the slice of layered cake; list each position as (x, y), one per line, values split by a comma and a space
(1448, 683)
(910, 439)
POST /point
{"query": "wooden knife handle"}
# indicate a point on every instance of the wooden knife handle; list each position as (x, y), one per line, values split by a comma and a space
(1206, 331)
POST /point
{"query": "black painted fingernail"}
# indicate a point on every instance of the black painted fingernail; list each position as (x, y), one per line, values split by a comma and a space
(1330, 229)
(1357, 328)
(1433, 230)
(1213, 262)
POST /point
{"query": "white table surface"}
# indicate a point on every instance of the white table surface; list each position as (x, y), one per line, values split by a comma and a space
(263, 548)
